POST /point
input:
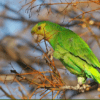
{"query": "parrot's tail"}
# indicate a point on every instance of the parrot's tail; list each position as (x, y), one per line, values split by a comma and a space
(95, 75)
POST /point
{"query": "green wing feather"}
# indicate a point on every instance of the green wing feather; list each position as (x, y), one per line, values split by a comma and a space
(71, 42)
(76, 55)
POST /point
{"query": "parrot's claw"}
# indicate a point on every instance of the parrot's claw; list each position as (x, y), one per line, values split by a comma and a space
(82, 87)
(49, 54)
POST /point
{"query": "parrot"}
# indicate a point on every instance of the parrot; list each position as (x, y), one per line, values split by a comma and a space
(70, 49)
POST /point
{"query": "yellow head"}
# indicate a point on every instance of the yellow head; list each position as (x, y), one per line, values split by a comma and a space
(45, 30)
(38, 29)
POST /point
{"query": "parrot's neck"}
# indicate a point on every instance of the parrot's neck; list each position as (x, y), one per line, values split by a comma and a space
(53, 40)
(52, 35)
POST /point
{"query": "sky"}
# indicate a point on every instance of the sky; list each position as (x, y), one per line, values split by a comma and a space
(11, 27)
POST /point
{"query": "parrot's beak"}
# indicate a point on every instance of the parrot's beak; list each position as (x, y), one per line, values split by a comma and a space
(37, 37)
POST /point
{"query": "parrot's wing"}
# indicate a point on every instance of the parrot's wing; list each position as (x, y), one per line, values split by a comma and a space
(71, 42)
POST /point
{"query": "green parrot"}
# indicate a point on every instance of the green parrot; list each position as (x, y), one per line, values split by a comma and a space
(70, 49)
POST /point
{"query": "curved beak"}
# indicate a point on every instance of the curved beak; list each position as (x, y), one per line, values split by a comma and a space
(37, 37)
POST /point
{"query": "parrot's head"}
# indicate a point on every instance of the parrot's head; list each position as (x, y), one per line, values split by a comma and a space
(38, 28)
(44, 30)
(38, 31)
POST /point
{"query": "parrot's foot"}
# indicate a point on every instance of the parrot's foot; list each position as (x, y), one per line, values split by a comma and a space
(82, 87)
(49, 55)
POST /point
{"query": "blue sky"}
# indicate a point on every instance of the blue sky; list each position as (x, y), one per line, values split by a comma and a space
(11, 27)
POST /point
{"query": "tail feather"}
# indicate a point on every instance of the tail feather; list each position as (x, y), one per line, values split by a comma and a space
(95, 75)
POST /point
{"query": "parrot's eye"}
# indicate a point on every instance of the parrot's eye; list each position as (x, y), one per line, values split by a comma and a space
(39, 27)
